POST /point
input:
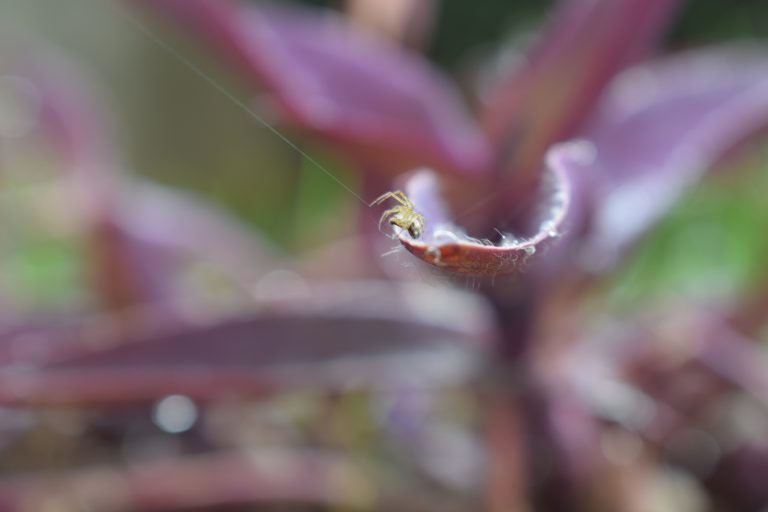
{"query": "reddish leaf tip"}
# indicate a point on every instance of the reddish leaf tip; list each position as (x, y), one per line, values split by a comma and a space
(448, 247)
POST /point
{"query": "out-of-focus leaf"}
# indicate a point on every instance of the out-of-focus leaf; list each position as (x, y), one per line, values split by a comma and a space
(736, 479)
(339, 336)
(548, 96)
(447, 246)
(381, 104)
(659, 128)
(125, 272)
(264, 477)
(182, 223)
(130, 228)
(740, 361)
(73, 113)
(716, 231)
(229, 479)
(639, 373)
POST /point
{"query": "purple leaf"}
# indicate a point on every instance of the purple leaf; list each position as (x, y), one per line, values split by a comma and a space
(72, 112)
(585, 43)
(661, 126)
(131, 228)
(125, 272)
(373, 334)
(735, 358)
(446, 246)
(374, 100)
(182, 223)
(654, 351)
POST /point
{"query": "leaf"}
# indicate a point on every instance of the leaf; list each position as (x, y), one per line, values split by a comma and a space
(659, 128)
(446, 246)
(125, 272)
(261, 477)
(340, 336)
(548, 96)
(180, 222)
(375, 101)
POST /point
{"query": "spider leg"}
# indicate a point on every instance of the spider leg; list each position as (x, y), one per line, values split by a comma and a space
(384, 217)
(403, 199)
(397, 195)
(383, 197)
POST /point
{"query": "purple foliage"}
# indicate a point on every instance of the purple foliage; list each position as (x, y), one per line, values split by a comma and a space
(572, 157)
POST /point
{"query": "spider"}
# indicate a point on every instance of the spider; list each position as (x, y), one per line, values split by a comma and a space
(402, 215)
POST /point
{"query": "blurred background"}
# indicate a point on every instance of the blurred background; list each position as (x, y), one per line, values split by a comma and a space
(174, 129)
(237, 223)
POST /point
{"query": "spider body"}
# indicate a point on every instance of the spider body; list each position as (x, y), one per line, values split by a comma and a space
(403, 215)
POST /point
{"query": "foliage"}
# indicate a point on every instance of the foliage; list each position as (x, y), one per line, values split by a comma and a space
(576, 328)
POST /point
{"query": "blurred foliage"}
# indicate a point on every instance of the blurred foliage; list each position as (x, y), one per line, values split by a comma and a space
(711, 20)
(181, 132)
(461, 27)
(712, 246)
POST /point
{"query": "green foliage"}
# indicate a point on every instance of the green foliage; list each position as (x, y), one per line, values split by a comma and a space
(707, 20)
(713, 245)
(464, 26)
(43, 274)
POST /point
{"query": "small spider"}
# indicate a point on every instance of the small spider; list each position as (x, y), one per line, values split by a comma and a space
(402, 215)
